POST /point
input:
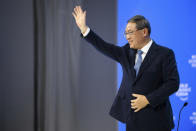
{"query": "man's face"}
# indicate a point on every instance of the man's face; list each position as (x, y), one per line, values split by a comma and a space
(135, 37)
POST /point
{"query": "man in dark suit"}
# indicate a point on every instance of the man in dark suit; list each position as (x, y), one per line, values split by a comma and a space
(150, 75)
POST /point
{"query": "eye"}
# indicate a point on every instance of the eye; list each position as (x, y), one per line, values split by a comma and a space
(129, 32)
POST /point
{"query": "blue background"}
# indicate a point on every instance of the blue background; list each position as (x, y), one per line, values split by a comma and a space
(173, 25)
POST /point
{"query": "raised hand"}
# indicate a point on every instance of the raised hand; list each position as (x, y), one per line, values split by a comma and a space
(80, 18)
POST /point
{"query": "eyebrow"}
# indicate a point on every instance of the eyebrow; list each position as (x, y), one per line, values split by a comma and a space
(129, 31)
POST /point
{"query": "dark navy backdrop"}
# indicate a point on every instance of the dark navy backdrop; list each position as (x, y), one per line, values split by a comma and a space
(173, 25)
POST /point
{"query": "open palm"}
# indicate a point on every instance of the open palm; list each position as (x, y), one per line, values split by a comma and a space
(80, 18)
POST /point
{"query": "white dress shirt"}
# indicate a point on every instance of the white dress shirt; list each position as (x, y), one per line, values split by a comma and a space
(144, 50)
(87, 31)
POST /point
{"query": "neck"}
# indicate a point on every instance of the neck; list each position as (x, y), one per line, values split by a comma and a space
(146, 41)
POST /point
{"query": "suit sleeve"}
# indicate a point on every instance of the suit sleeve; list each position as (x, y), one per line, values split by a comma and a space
(107, 49)
(170, 81)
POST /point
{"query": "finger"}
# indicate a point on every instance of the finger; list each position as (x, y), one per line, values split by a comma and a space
(79, 9)
(138, 109)
(133, 101)
(76, 10)
(74, 15)
(133, 107)
(133, 104)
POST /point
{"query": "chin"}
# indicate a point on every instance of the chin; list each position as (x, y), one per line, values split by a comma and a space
(131, 46)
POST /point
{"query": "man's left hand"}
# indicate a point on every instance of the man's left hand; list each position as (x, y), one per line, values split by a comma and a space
(139, 103)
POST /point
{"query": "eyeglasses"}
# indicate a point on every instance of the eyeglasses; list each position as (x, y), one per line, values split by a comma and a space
(129, 33)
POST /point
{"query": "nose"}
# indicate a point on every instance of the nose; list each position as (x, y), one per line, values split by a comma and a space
(128, 37)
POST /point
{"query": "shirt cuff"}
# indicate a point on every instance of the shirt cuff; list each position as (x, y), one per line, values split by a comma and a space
(87, 31)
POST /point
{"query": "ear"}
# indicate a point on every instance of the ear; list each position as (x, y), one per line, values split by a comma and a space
(145, 31)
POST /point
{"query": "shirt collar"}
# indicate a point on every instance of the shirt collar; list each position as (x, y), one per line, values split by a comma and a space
(146, 47)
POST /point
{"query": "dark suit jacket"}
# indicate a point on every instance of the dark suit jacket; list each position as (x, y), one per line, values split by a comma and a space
(157, 79)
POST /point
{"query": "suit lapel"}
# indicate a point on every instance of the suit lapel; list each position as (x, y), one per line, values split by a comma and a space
(132, 55)
(148, 59)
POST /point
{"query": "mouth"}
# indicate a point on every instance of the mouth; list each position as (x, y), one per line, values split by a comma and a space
(130, 41)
